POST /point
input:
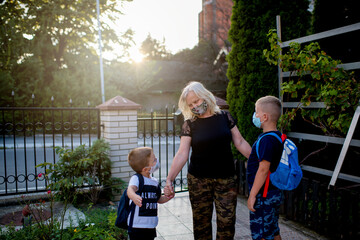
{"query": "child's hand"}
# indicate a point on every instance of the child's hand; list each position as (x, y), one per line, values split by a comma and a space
(169, 192)
(137, 200)
(169, 197)
(169, 189)
(250, 203)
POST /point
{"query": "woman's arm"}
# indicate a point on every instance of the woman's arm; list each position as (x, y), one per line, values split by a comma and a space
(178, 163)
(240, 143)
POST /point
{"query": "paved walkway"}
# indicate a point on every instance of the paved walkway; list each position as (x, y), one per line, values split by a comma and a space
(175, 222)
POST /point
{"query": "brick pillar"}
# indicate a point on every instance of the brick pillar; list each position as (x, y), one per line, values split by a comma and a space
(119, 118)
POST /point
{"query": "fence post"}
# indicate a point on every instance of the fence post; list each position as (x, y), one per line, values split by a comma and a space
(118, 117)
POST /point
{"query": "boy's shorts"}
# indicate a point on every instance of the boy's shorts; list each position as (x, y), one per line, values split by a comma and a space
(142, 234)
(264, 221)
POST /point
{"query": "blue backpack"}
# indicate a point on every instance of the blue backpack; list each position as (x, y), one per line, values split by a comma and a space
(124, 209)
(288, 174)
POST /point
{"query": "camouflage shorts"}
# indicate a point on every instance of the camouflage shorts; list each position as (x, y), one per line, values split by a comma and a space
(264, 221)
(204, 194)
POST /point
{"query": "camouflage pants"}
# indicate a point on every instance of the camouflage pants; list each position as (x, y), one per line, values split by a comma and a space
(204, 193)
(264, 221)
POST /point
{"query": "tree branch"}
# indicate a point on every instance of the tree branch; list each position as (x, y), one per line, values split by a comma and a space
(314, 152)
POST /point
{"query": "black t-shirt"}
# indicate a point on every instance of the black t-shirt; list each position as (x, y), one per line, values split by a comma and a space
(211, 154)
(270, 149)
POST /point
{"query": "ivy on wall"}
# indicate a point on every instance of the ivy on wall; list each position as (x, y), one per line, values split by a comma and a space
(317, 79)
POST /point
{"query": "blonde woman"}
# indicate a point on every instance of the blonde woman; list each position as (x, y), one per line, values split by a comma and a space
(208, 131)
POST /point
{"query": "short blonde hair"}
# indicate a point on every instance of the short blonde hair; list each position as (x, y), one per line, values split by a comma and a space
(201, 92)
(270, 105)
(138, 158)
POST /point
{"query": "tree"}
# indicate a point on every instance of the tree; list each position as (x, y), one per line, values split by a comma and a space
(202, 53)
(12, 46)
(250, 76)
(154, 49)
(47, 37)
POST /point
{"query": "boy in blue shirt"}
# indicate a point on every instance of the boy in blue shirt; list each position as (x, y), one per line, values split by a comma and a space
(264, 211)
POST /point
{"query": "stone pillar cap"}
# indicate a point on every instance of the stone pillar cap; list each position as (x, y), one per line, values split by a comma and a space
(119, 103)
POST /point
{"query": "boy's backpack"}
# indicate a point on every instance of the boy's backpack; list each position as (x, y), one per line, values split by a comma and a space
(288, 174)
(124, 209)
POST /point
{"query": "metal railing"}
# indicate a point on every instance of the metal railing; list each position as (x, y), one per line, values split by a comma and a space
(332, 212)
(160, 131)
(312, 136)
(29, 136)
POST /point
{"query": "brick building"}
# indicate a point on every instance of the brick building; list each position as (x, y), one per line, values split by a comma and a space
(214, 21)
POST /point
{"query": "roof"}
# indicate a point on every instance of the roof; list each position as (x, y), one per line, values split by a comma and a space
(119, 103)
(221, 103)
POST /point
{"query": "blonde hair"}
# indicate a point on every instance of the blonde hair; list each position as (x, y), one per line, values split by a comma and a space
(270, 105)
(138, 158)
(201, 92)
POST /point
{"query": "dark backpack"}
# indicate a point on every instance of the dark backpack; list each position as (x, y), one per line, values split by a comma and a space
(124, 209)
(288, 174)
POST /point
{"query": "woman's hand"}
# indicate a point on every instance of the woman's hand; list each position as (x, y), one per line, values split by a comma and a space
(240, 143)
(169, 189)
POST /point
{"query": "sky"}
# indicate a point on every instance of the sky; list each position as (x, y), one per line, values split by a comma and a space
(174, 20)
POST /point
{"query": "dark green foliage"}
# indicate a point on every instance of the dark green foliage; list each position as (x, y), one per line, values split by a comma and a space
(250, 76)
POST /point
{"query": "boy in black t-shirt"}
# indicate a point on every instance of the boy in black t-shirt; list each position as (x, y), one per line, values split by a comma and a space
(264, 211)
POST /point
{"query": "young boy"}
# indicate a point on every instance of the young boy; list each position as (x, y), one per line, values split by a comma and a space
(142, 160)
(264, 211)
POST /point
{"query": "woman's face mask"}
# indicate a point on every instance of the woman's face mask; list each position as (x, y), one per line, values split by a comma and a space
(200, 110)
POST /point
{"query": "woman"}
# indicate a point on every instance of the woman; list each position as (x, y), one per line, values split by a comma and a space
(211, 174)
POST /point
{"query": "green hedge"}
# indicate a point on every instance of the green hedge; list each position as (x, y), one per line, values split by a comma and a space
(250, 76)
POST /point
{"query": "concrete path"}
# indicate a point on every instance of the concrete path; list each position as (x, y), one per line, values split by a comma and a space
(175, 222)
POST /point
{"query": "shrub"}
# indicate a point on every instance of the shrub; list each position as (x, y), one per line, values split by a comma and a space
(98, 224)
(83, 166)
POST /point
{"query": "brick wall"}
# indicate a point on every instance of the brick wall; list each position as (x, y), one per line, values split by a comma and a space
(215, 20)
(119, 119)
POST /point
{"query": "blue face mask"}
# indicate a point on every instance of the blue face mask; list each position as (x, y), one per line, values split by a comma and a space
(256, 121)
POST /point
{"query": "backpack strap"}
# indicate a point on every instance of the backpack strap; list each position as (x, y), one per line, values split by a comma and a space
(267, 181)
(132, 205)
(267, 134)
